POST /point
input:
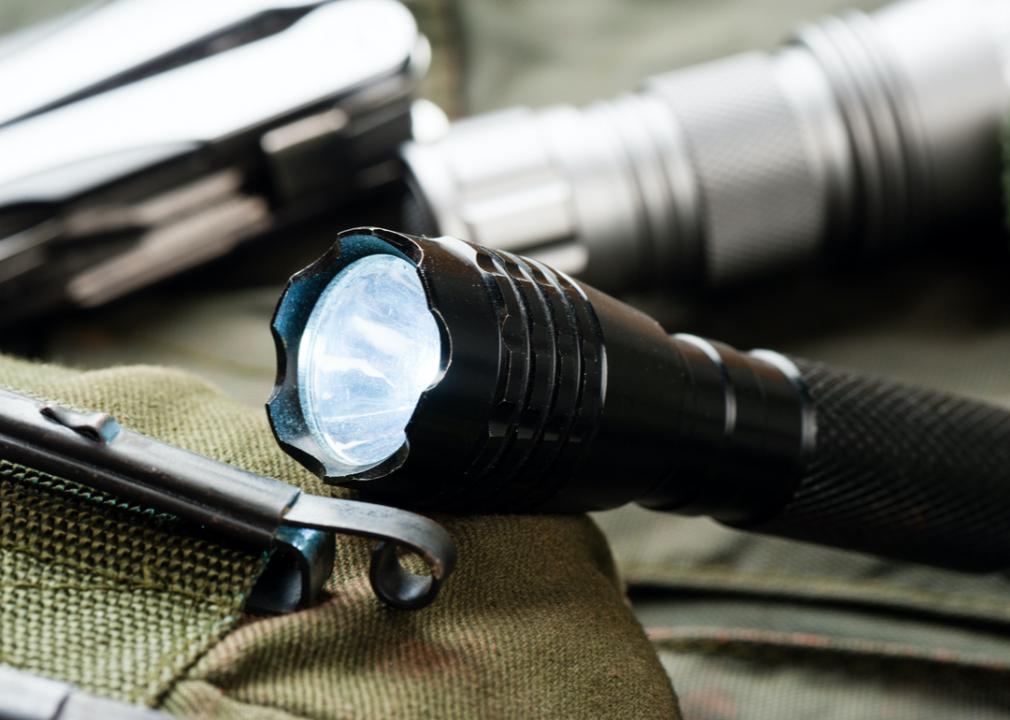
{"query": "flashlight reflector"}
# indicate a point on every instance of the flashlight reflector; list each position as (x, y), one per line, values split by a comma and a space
(371, 346)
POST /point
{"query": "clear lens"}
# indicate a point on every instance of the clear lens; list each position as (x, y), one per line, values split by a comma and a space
(370, 348)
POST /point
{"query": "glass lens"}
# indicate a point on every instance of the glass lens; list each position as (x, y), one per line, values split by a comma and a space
(370, 348)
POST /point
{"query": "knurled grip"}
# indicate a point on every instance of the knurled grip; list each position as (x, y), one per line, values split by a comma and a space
(902, 472)
(763, 191)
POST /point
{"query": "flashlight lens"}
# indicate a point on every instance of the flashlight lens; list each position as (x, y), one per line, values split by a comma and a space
(370, 348)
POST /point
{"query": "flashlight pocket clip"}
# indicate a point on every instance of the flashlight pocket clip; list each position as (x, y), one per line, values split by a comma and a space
(251, 510)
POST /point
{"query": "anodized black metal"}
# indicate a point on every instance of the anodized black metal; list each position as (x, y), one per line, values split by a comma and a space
(744, 430)
(296, 572)
(395, 529)
(242, 507)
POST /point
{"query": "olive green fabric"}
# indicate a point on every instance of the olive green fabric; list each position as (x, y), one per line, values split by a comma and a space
(531, 625)
(113, 599)
(133, 605)
(767, 629)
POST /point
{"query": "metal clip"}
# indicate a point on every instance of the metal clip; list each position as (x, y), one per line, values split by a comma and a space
(260, 512)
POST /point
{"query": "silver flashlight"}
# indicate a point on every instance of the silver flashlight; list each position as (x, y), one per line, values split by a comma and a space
(851, 140)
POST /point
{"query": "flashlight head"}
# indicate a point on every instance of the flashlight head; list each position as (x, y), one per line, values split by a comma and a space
(436, 373)
(357, 346)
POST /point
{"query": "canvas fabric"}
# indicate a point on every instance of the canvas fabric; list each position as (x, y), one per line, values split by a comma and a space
(130, 604)
(116, 599)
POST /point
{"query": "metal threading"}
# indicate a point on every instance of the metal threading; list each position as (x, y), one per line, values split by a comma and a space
(665, 213)
(550, 384)
(886, 139)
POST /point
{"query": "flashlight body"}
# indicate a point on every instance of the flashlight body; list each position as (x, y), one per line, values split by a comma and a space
(902, 472)
(877, 466)
(799, 449)
(554, 397)
(850, 141)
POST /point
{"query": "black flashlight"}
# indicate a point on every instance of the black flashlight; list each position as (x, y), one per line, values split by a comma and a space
(438, 374)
